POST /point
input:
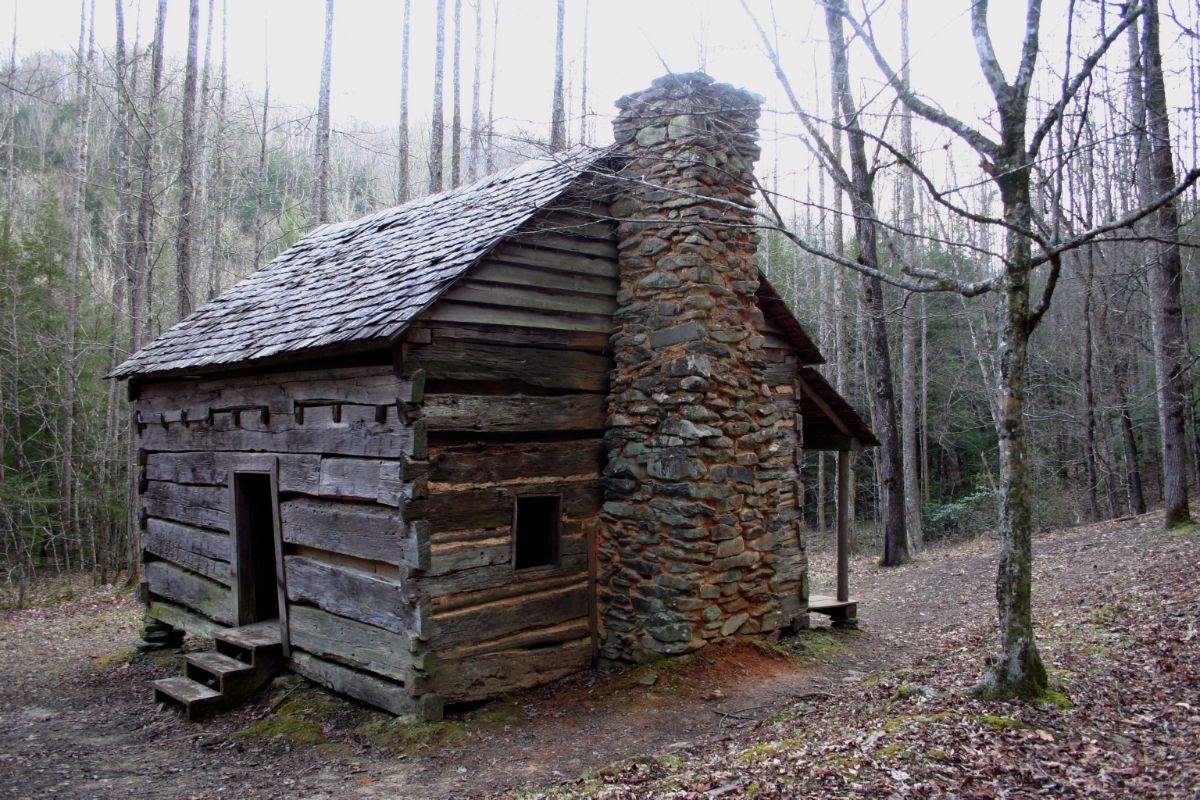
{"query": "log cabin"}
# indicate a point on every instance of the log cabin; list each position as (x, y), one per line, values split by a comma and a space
(477, 442)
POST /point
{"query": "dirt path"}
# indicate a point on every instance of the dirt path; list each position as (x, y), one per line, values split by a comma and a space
(76, 719)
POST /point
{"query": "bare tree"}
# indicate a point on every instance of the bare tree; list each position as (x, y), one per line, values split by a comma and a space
(456, 93)
(435, 138)
(491, 131)
(1170, 343)
(187, 170)
(402, 169)
(909, 323)
(322, 198)
(558, 115)
(476, 147)
(584, 111)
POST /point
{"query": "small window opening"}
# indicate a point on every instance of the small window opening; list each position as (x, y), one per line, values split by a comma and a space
(536, 532)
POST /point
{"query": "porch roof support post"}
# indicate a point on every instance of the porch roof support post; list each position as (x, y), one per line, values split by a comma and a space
(843, 526)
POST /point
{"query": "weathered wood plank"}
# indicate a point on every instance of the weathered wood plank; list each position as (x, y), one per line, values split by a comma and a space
(529, 337)
(514, 413)
(179, 550)
(538, 637)
(531, 297)
(458, 589)
(540, 278)
(471, 361)
(450, 311)
(297, 472)
(492, 507)
(374, 385)
(378, 692)
(357, 644)
(482, 463)
(516, 253)
(362, 479)
(373, 532)
(510, 670)
(197, 540)
(200, 594)
(354, 437)
(356, 595)
(182, 618)
(577, 224)
(509, 615)
(200, 506)
(457, 556)
(540, 236)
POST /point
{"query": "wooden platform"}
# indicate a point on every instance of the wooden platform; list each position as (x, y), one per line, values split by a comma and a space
(844, 613)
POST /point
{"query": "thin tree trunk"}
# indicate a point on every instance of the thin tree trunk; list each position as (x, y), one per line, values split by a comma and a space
(187, 171)
(891, 478)
(10, 137)
(558, 114)
(402, 168)
(217, 251)
(435, 138)
(1170, 348)
(322, 199)
(584, 113)
(908, 320)
(260, 183)
(491, 131)
(475, 161)
(456, 95)
(1089, 394)
(202, 206)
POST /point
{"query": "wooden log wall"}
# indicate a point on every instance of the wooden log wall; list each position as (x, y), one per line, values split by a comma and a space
(516, 361)
(350, 446)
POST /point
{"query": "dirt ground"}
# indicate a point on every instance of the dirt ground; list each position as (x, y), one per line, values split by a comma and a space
(76, 717)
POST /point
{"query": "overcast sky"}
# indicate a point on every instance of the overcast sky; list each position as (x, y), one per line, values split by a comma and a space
(630, 41)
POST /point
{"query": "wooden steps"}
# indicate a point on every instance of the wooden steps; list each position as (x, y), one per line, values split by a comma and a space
(844, 613)
(244, 659)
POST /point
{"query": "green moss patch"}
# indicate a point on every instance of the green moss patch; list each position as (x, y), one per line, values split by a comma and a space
(297, 720)
(1001, 723)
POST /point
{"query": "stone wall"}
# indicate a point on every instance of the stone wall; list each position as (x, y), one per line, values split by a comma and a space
(690, 540)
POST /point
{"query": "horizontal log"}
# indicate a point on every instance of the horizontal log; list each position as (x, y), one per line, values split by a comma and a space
(514, 413)
(458, 556)
(197, 540)
(297, 473)
(370, 689)
(200, 594)
(540, 236)
(372, 385)
(356, 595)
(198, 506)
(492, 507)
(568, 631)
(510, 670)
(183, 619)
(354, 643)
(179, 550)
(591, 225)
(494, 462)
(472, 361)
(509, 615)
(450, 311)
(531, 297)
(525, 255)
(539, 278)
(360, 436)
(377, 533)
(529, 337)
(363, 479)
(459, 589)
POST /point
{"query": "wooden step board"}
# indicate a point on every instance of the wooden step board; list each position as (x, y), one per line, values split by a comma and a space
(844, 613)
(245, 659)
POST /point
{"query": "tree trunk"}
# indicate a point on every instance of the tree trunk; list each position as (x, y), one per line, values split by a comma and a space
(435, 136)
(1170, 348)
(216, 247)
(1089, 394)
(491, 130)
(402, 168)
(323, 123)
(584, 113)
(187, 170)
(891, 477)
(558, 114)
(476, 147)
(456, 93)
(202, 206)
(908, 321)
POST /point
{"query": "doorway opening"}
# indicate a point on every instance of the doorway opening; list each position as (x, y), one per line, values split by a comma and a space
(257, 589)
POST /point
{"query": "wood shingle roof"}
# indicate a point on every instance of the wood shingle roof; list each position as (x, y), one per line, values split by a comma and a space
(361, 281)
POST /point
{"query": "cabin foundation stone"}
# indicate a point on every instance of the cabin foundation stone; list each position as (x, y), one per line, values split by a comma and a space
(690, 525)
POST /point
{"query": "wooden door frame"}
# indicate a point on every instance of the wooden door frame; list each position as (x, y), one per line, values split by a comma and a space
(257, 464)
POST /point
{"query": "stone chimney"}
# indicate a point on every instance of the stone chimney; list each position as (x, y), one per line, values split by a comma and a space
(689, 538)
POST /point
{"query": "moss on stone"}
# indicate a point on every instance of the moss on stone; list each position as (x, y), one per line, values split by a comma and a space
(1001, 723)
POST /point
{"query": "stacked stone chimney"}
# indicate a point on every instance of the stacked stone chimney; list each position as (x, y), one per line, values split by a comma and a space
(689, 545)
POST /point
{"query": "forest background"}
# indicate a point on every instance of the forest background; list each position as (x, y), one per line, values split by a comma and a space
(152, 154)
